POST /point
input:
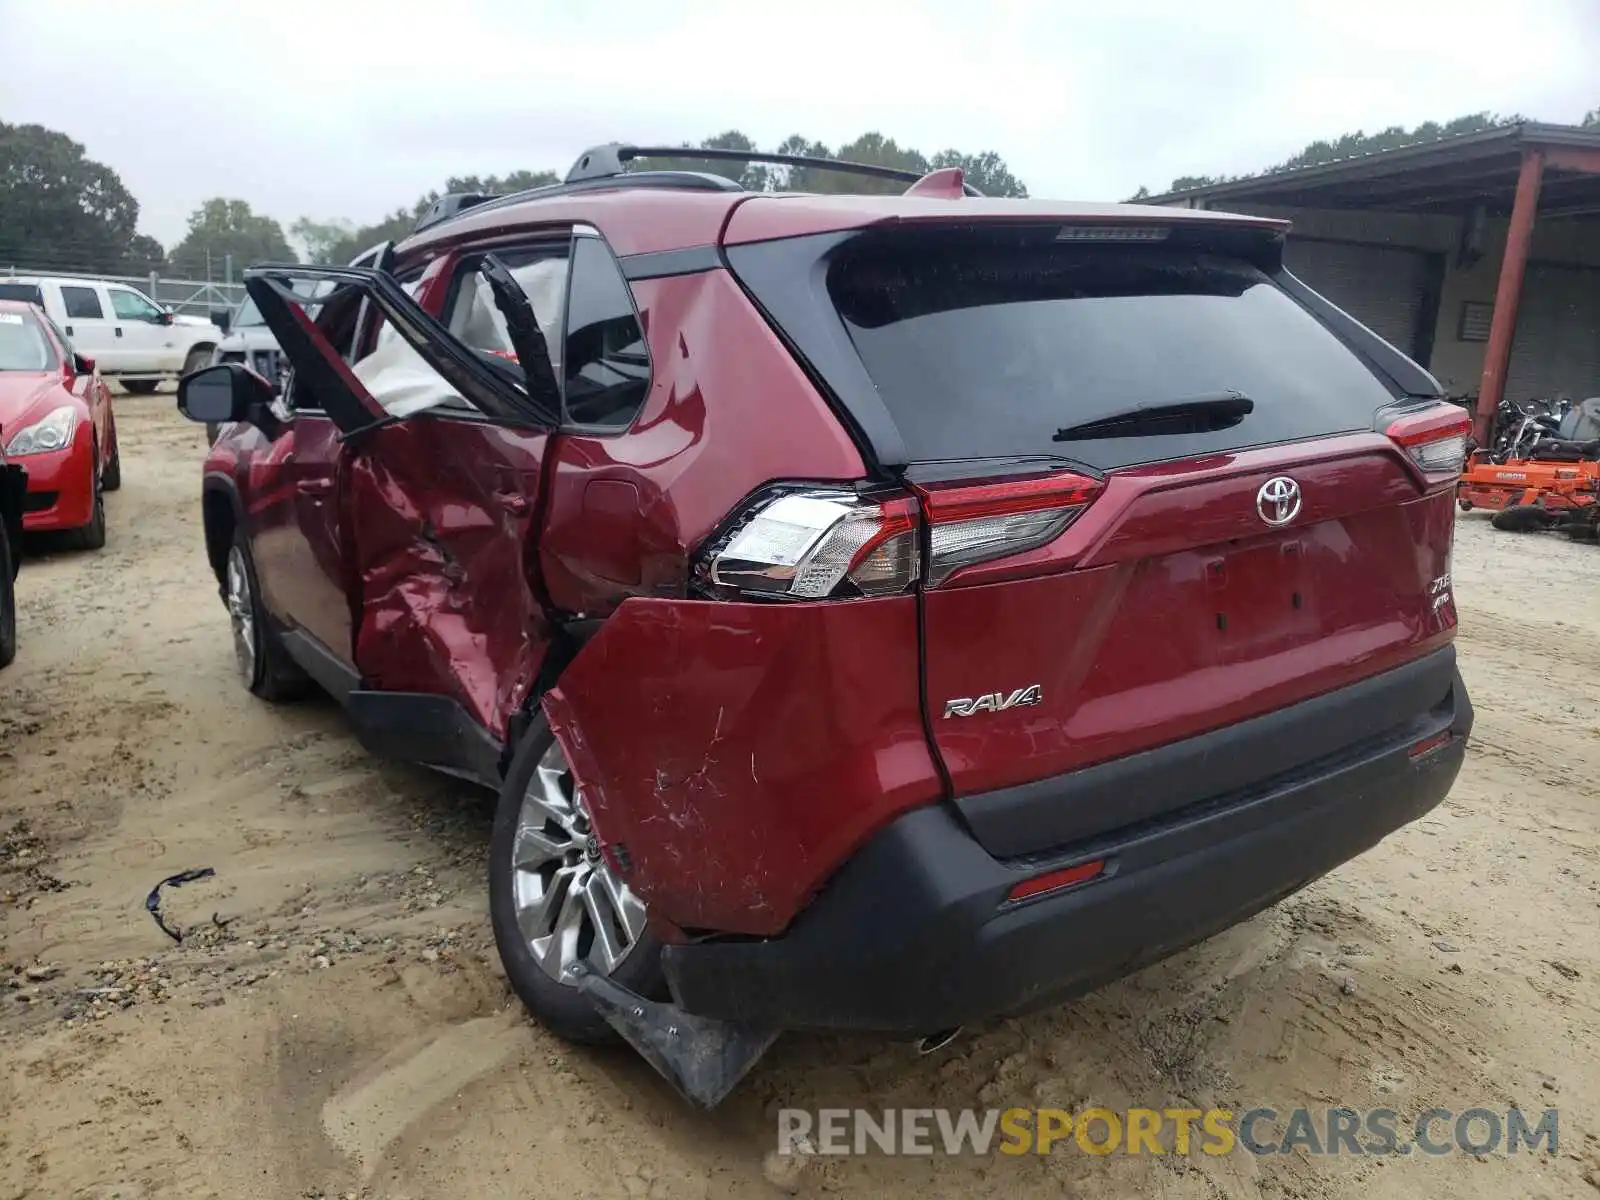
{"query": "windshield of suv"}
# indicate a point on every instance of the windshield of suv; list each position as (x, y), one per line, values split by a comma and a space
(249, 315)
(985, 347)
(23, 345)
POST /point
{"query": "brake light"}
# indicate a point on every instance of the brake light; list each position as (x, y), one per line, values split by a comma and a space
(817, 544)
(1435, 438)
(977, 523)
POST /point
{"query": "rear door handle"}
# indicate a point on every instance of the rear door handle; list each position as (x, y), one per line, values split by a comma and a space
(315, 487)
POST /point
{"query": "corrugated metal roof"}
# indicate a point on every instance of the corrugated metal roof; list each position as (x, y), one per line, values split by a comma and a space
(1450, 159)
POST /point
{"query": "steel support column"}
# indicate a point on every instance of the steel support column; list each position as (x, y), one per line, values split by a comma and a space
(1513, 266)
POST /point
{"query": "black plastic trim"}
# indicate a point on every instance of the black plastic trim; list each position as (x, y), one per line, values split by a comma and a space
(787, 281)
(1035, 817)
(691, 260)
(1409, 378)
(425, 728)
(336, 678)
(915, 933)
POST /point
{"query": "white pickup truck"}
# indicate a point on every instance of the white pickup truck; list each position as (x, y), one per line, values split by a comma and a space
(130, 337)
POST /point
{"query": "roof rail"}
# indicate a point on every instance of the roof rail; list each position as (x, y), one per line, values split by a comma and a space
(608, 161)
(603, 166)
(448, 207)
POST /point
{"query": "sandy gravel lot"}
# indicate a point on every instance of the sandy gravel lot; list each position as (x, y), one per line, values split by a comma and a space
(335, 1022)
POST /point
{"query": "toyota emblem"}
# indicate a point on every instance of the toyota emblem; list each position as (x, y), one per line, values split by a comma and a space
(1278, 501)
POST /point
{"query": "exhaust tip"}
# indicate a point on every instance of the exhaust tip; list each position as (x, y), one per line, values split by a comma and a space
(934, 1042)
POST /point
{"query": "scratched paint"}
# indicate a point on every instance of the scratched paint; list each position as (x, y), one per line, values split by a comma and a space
(740, 752)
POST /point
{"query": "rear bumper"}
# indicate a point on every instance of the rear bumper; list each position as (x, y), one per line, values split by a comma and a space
(915, 933)
(60, 487)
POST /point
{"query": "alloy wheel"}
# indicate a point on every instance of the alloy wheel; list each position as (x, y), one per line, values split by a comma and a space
(571, 907)
(241, 613)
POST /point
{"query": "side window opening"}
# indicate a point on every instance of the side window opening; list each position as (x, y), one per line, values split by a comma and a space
(605, 356)
(131, 306)
(476, 320)
(81, 303)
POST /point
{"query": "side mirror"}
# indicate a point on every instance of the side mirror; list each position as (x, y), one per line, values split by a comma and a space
(165, 318)
(82, 364)
(221, 393)
(222, 319)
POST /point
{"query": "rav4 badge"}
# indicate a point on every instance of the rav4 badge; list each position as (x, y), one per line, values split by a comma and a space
(994, 701)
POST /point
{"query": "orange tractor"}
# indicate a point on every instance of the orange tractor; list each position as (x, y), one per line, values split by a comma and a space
(1543, 482)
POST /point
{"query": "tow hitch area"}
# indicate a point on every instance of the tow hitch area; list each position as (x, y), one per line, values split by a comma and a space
(703, 1058)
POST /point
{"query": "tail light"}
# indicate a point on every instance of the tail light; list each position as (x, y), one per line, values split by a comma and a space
(833, 543)
(814, 545)
(973, 524)
(1435, 438)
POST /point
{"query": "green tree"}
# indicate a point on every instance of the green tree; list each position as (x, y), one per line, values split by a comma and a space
(222, 228)
(754, 177)
(59, 209)
(144, 255)
(871, 148)
(987, 172)
(321, 238)
(495, 185)
(1592, 117)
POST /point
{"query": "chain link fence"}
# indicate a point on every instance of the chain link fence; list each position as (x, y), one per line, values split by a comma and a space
(189, 297)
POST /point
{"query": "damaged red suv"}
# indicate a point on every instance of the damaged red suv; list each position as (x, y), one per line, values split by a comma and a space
(874, 612)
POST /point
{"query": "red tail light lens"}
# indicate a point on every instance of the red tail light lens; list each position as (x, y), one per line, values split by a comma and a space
(979, 523)
(1435, 438)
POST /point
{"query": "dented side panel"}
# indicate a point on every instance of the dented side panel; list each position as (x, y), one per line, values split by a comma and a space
(736, 754)
(439, 512)
(728, 411)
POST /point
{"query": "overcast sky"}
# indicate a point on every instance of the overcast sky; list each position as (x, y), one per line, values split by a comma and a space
(345, 108)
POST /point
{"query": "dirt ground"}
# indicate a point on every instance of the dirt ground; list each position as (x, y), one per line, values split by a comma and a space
(335, 1022)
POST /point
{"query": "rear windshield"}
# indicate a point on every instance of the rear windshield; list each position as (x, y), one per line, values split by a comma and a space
(990, 347)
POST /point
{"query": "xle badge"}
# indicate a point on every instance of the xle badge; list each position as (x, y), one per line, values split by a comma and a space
(994, 702)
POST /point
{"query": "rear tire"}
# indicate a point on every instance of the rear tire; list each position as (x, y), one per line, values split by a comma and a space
(8, 601)
(1522, 518)
(547, 889)
(111, 476)
(93, 535)
(264, 665)
(139, 387)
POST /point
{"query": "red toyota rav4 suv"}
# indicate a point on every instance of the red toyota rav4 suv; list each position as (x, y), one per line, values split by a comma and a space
(875, 612)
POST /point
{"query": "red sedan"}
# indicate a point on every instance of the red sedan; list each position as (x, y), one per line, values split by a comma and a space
(56, 421)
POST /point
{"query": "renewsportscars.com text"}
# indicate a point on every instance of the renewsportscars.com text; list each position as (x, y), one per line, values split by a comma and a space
(1099, 1131)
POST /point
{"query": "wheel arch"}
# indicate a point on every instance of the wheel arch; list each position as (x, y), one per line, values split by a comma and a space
(223, 514)
(569, 638)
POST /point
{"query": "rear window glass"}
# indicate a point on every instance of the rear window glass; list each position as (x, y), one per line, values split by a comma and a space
(991, 347)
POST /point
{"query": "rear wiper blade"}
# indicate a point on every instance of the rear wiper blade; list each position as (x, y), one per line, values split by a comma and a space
(1194, 414)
